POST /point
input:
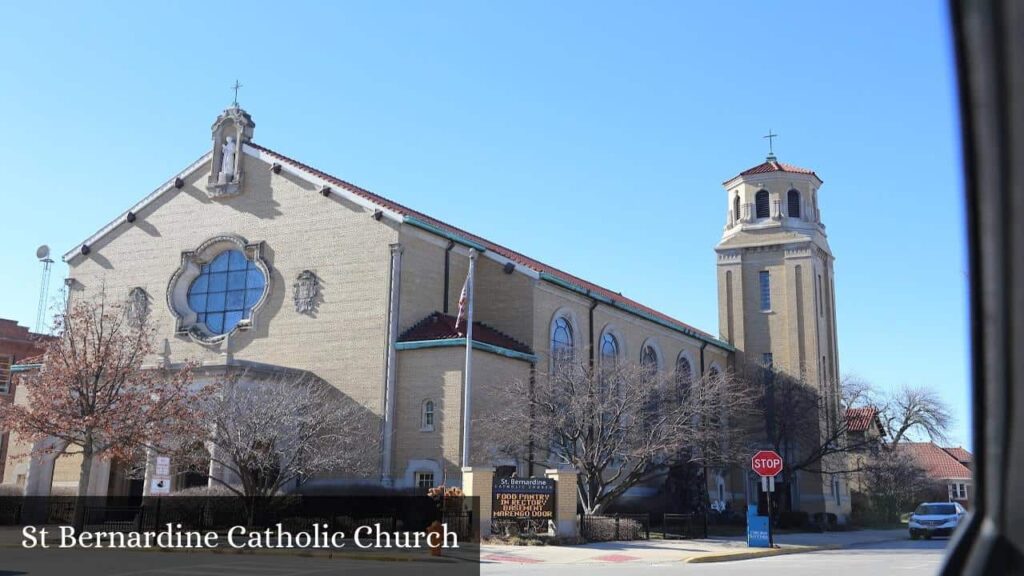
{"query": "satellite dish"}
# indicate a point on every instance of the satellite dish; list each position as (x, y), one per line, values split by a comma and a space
(43, 252)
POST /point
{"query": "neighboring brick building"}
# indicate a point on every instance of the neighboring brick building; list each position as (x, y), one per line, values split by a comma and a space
(17, 344)
(248, 257)
(949, 467)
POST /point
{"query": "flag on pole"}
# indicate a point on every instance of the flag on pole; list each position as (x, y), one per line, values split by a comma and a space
(463, 300)
(466, 308)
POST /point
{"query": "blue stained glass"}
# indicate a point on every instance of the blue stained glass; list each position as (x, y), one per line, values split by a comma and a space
(200, 284)
(252, 296)
(231, 319)
(215, 302)
(220, 263)
(255, 279)
(235, 300)
(236, 260)
(236, 280)
(225, 291)
(197, 300)
(215, 322)
(218, 282)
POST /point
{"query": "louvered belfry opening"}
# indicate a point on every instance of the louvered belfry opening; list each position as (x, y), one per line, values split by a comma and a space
(793, 200)
(761, 203)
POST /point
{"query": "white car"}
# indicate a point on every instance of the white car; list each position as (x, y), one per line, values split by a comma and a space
(935, 519)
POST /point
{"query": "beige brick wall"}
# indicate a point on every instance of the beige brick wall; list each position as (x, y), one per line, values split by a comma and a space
(503, 301)
(344, 342)
(436, 374)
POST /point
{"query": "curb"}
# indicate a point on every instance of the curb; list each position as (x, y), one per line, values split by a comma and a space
(749, 555)
(764, 553)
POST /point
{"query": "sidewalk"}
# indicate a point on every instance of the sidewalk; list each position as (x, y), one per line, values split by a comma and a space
(638, 552)
(669, 551)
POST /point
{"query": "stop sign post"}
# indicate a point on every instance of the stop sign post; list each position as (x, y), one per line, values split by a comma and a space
(767, 464)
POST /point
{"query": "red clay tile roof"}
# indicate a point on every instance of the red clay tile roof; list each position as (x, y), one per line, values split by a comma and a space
(859, 419)
(775, 166)
(961, 454)
(935, 461)
(512, 255)
(438, 326)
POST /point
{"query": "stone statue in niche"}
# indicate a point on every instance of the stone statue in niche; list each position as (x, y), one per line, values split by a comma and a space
(306, 290)
(137, 307)
(227, 161)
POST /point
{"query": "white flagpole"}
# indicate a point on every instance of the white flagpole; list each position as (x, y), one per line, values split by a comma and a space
(468, 373)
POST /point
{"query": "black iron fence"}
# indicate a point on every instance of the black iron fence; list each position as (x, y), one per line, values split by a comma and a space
(683, 526)
(612, 527)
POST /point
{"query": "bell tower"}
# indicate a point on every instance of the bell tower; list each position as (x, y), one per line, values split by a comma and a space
(776, 297)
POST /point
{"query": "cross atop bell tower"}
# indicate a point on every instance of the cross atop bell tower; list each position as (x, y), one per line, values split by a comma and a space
(771, 148)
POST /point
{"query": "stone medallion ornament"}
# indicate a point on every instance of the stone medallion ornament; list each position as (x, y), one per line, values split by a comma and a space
(137, 307)
(306, 291)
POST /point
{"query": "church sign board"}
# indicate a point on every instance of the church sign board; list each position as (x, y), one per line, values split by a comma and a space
(523, 498)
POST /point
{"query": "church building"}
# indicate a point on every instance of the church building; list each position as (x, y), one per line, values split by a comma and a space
(251, 260)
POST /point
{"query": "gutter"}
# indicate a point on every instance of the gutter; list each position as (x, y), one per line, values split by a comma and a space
(417, 223)
(605, 300)
(477, 345)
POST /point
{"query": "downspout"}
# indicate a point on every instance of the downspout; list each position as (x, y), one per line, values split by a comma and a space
(389, 378)
(590, 328)
(447, 267)
(707, 494)
(703, 345)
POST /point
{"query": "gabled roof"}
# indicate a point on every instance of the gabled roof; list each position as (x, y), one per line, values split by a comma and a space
(935, 461)
(438, 326)
(547, 272)
(772, 165)
(860, 419)
(420, 220)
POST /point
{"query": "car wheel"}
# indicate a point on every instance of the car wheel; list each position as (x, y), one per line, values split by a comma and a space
(913, 536)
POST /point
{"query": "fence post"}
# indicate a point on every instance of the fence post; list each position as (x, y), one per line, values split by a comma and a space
(565, 501)
(478, 481)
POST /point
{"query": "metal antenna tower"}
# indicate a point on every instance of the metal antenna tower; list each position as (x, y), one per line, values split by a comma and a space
(43, 254)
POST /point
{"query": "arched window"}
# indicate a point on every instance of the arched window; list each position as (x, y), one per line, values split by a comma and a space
(649, 360)
(793, 203)
(607, 379)
(761, 203)
(562, 343)
(736, 209)
(684, 377)
(427, 416)
(225, 291)
(609, 350)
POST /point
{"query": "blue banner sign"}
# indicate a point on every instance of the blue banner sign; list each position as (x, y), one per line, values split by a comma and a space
(757, 529)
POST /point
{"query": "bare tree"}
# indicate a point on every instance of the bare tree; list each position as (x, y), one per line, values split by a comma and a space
(272, 433)
(894, 484)
(616, 425)
(917, 409)
(93, 392)
(807, 427)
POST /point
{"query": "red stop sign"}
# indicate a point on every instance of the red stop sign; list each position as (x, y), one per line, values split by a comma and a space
(766, 463)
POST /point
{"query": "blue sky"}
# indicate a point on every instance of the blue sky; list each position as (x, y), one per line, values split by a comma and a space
(590, 135)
